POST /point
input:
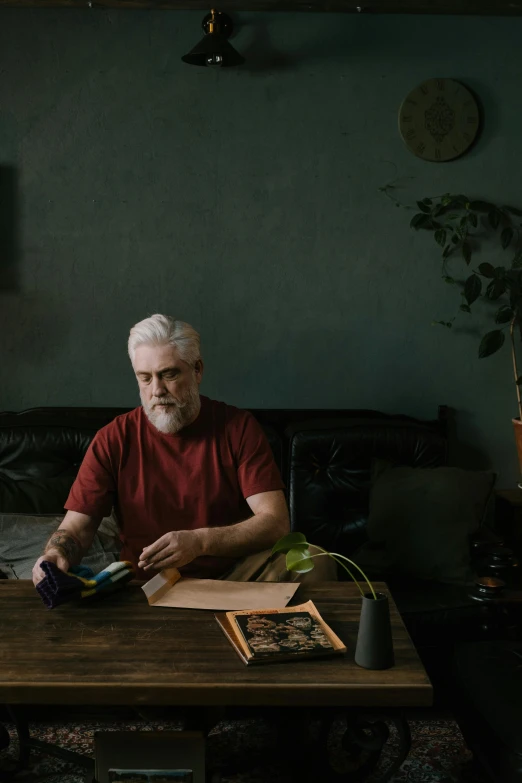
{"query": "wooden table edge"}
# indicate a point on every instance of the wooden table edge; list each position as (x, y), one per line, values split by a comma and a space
(254, 694)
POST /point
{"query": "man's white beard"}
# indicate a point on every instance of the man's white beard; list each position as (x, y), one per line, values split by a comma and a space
(172, 417)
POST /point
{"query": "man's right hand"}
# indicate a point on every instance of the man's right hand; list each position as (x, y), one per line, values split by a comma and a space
(53, 556)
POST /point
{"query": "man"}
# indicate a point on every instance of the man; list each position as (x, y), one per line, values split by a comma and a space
(193, 481)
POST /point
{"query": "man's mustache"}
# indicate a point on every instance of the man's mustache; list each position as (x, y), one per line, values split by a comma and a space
(166, 401)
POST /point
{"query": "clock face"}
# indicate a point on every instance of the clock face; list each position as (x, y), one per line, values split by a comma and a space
(439, 120)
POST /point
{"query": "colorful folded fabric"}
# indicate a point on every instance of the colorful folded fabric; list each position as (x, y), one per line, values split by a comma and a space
(58, 586)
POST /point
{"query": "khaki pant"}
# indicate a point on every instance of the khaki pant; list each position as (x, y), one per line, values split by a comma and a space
(262, 568)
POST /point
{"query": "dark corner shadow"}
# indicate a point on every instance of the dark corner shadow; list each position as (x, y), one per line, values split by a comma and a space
(260, 56)
(9, 222)
(462, 454)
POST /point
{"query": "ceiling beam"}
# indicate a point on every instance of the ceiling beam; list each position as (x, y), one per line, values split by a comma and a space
(476, 7)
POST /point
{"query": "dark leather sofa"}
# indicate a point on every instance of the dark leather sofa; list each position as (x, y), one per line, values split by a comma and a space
(325, 457)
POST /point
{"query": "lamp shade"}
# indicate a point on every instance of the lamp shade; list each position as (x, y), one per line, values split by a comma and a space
(215, 51)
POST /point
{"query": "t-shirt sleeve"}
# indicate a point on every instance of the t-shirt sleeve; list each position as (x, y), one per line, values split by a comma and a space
(94, 488)
(256, 467)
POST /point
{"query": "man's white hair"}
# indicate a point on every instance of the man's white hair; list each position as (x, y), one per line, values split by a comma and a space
(164, 330)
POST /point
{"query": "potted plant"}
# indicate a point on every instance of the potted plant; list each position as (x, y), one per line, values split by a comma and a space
(374, 641)
(461, 227)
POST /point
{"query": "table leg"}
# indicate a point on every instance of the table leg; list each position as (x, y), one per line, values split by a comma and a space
(203, 718)
(4, 737)
(296, 747)
(306, 754)
(26, 744)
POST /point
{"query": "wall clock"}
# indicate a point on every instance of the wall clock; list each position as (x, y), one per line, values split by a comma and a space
(439, 120)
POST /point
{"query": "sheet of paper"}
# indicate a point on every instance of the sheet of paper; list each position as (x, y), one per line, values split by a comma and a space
(169, 589)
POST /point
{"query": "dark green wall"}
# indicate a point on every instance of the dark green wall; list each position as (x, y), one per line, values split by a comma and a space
(246, 202)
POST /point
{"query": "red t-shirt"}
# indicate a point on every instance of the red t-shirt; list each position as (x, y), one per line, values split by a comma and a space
(198, 477)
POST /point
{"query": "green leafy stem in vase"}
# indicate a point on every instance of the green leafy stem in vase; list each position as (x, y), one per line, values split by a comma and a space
(300, 559)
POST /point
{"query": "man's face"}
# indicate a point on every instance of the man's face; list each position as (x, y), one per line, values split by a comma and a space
(169, 387)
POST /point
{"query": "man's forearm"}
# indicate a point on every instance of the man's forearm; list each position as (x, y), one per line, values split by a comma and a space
(74, 536)
(253, 535)
(67, 545)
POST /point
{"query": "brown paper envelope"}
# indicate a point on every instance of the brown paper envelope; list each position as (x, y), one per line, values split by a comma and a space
(160, 584)
(168, 588)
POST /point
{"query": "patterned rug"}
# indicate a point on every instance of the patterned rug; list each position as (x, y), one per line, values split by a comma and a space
(438, 753)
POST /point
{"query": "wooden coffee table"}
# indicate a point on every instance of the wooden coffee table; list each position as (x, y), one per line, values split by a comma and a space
(120, 651)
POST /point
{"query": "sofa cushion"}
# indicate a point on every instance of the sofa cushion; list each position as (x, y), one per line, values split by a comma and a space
(420, 521)
(23, 537)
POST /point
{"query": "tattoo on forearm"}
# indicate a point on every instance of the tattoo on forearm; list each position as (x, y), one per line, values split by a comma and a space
(63, 541)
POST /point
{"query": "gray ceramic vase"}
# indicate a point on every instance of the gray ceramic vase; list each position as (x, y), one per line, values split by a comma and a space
(374, 648)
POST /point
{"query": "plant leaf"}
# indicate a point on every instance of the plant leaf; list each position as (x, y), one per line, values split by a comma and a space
(447, 324)
(472, 288)
(449, 280)
(490, 343)
(517, 261)
(506, 237)
(419, 220)
(428, 201)
(465, 308)
(290, 541)
(455, 239)
(440, 237)
(447, 251)
(494, 218)
(298, 560)
(495, 289)
(466, 252)
(486, 269)
(504, 315)
(514, 211)
(473, 219)
(423, 207)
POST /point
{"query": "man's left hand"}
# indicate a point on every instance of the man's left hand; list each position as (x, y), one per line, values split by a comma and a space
(173, 550)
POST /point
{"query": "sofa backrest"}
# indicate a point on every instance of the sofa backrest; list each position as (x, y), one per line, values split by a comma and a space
(41, 451)
(330, 470)
(324, 456)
